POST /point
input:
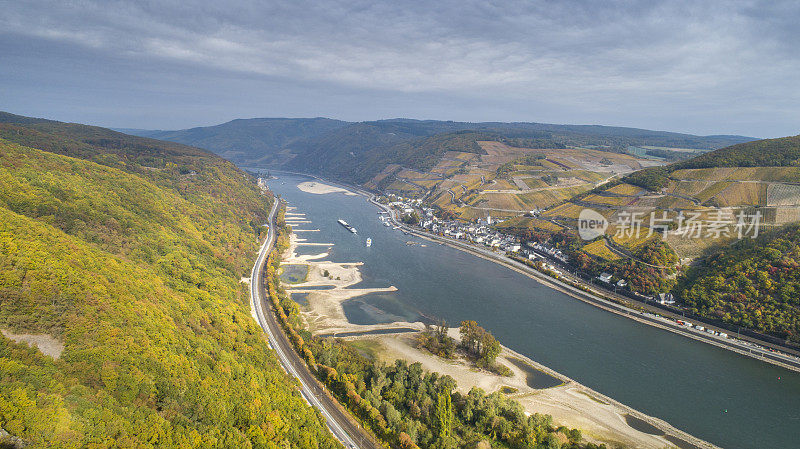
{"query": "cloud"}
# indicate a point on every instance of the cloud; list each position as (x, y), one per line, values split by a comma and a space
(595, 55)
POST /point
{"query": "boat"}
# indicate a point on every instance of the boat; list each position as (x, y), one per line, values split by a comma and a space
(347, 226)
(369, 242)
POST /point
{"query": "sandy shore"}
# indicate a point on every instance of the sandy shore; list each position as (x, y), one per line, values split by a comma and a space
(601, 419)
(324, 312)
(321, 189)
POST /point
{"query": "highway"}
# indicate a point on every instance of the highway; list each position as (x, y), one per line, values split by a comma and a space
(337, 419)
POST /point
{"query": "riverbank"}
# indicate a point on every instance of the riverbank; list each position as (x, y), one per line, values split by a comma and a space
(319, 188)
(572, 404)
(327, 285)
(742, 347)
(715, 395)
(600, 418)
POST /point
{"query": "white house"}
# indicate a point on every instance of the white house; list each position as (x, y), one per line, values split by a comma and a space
(666, 298)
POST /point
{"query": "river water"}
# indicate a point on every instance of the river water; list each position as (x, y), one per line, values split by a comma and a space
(725, 398)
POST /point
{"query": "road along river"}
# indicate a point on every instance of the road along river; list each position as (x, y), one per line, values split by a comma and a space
(337, 419)
(712, 393)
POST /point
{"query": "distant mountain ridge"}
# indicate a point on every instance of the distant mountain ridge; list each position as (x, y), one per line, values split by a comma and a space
(356, 151)
(246, 139)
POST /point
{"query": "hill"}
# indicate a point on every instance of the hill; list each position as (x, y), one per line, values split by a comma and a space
(753, 284)
(334, 148)
(251, 141)
(129, 253)
(780, 152)
(491, 177)
(357, 156)
(719, 231)
(760, 176)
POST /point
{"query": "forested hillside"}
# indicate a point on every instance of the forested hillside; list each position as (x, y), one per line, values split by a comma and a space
(754, 284)
(355, 152)
(780, 152)
(130, 252)
(363, 161)
(250, 139)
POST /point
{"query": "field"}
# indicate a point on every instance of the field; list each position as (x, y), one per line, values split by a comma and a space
(690, 192)
(626, 189)
(671, 202)
(680, 150)
(403, 186)
(507, 180)
(783, 195)
(631, 242)
(534, 183)
(565, 158)
(688, 188)
(690, 249)
(529, 223)
(610, 200)
(712, 190)
(763, 174)
(747, 194)
(566, 210)
(599, 249)
(507, 201)
(499, 184)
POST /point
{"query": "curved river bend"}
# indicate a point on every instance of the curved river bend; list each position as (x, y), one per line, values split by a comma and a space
(714, 394)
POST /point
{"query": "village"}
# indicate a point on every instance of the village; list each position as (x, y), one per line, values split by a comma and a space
(482, 232)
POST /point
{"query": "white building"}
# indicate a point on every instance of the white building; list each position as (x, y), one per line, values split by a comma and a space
(666, 298)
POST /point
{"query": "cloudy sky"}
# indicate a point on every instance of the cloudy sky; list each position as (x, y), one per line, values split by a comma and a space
(702, 67)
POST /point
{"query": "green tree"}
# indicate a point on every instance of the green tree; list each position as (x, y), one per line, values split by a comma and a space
(444, 415)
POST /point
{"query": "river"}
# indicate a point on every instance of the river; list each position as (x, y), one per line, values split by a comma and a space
(725, 398)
